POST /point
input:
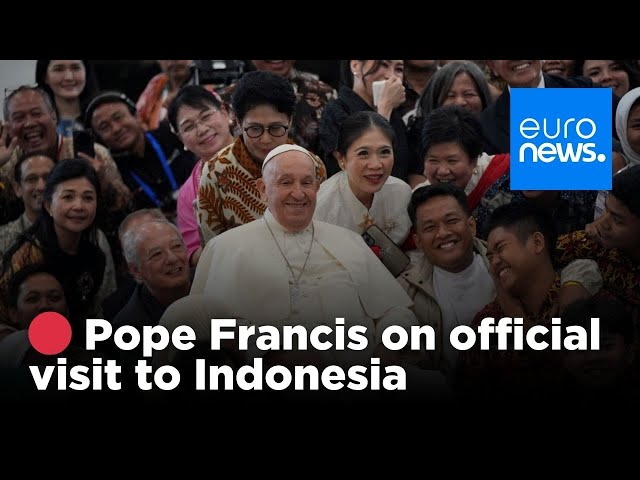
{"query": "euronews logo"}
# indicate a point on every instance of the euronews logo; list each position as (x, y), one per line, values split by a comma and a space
(561, 139)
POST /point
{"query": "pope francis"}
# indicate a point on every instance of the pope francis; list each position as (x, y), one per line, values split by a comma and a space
(287, 269)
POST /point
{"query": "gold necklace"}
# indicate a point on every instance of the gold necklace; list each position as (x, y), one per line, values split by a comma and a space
(296, 281)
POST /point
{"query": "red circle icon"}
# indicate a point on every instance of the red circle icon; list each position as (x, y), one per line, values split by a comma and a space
(50, 333)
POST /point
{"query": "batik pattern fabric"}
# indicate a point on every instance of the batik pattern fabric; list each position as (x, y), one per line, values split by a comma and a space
(227, 194)
(526, 373)
(10, 232)
(620, 275)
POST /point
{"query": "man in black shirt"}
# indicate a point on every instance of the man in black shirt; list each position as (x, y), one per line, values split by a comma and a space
(153, 164)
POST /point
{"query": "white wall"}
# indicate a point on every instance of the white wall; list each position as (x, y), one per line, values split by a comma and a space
(14, 73)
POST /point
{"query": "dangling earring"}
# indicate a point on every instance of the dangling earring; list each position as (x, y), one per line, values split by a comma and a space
(185, 148)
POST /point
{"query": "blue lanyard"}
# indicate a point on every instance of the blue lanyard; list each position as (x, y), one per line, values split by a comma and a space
(163, 161)
(165, 166)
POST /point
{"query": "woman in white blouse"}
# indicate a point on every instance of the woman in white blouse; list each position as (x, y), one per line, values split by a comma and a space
(364, 193)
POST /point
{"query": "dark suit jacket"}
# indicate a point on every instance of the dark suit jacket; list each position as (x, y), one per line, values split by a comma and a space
(141, 310)
(495, 119)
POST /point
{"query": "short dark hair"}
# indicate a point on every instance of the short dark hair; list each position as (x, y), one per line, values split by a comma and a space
(194, 96)
(104, 98)
(356, 124)
(628, 66)
(626, 188)
(525, 219)
(262, 88)
(22, 275)
(17, 169)
(452, 123)
(424, 194)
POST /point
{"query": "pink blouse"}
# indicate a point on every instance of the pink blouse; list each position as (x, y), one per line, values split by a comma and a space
(187, 222)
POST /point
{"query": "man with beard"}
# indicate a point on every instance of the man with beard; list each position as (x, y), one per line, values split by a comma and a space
(30, 177)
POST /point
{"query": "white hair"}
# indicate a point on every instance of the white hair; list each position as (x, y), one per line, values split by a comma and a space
(131, 239)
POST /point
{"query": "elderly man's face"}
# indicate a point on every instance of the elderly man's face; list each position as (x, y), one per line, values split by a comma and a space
(162, 257)
(32, 121)
(290, 187)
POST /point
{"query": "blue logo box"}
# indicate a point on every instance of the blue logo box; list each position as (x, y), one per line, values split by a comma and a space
(561, 139)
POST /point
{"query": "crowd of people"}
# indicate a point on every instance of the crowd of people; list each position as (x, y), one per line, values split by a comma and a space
(257, 200)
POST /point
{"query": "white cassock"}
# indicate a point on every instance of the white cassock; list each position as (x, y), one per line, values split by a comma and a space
(338, 205)
(242, 274)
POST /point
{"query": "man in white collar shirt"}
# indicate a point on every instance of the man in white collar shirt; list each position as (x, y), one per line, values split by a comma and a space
(452, 282)
(285, 269)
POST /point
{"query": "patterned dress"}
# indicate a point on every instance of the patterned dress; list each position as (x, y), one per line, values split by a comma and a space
(228, 195)
(620, 275)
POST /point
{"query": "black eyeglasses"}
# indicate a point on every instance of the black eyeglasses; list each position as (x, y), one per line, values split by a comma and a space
(256, 131)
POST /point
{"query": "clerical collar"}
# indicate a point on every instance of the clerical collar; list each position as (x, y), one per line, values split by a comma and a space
(276, 227)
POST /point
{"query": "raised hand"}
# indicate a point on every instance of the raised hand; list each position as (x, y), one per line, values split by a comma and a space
(99, 165)
(392, 95)
(7, 146)
(592, 230)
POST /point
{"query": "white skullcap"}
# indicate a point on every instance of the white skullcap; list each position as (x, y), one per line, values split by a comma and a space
(286, 148)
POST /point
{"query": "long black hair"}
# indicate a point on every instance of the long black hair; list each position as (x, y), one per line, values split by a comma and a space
(42, 233)
(88, 92)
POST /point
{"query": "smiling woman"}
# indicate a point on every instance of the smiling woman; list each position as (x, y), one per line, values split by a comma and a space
(201, 121)
(65, 237)
(263, 104)
(364, 192)
(452, 153)
(71, 84)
